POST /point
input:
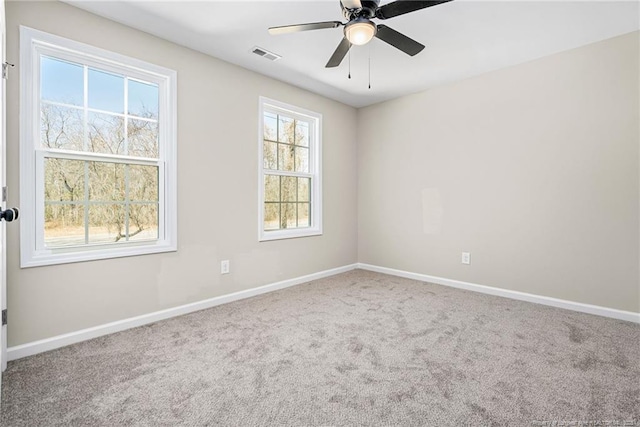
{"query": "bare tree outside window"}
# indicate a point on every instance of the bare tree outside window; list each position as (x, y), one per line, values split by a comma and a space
(99, 201)
(286, 195)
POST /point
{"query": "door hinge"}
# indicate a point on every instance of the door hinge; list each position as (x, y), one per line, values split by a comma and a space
(4, 317)
(5, 68)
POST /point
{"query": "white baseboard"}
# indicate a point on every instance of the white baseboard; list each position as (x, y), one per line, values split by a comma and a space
(29, 349)
(35, 347)
(522, 296)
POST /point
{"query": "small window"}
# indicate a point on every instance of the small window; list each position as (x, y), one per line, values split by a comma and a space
(290, 175)
(98, 146)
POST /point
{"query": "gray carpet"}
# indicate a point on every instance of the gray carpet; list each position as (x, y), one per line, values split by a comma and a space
(359, 348)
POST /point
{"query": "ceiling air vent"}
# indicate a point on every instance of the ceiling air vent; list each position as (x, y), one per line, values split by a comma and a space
(265, 53)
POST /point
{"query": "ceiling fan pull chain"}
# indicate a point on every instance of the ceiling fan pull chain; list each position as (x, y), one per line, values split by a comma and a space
(369, 65)
(349, 63)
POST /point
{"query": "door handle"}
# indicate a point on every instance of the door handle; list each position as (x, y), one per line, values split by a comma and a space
(10, 214)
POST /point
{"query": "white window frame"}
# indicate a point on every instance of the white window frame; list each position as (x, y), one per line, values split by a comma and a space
(315, 169)
(34, 43)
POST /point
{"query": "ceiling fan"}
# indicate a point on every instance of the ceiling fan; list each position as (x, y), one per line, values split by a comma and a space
(359, 29)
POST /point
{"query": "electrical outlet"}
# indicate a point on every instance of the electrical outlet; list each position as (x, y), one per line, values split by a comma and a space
(224, 267)
(466, 258)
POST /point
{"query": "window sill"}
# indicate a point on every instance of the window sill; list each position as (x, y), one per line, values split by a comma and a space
(266, 236)
(51, 257)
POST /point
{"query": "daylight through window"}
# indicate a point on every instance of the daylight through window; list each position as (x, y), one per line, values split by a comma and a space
(290, 171)
(102, 142)
(96, 201)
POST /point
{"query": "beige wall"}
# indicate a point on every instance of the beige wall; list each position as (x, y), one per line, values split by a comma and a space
(533, 169)
(217, 191)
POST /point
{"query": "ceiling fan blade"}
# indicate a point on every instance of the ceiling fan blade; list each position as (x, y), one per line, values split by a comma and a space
(351, 4)
(304, 27)
(400, 7)
(339, 54)
(399, 40)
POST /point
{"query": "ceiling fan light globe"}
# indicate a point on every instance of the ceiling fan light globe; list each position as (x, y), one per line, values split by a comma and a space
(360, 33)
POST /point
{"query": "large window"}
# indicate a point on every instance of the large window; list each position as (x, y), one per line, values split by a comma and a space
(290, 179)
(98, 146)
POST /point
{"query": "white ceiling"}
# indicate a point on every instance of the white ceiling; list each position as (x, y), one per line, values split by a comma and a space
(463, 38)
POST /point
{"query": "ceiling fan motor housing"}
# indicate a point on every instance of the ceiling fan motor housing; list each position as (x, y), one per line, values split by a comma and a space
(368, 10)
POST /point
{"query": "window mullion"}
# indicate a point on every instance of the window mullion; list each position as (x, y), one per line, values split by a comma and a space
(126, 202)
(85, 113)
(86, 202)
(96, 110)
(297, 203)
(98, 157)
(126, 116)
(278, 138)
(126, 152)
(293, 147)
(288, 173)
(280, 204)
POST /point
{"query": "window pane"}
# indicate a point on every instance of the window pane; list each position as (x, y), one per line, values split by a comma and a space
(286, 130)
(288, 215)
(285, 157)
(303, 189)
(63, 180)
(106, 91)
(61, 127)
(143, 99)
(63, 225)
(143, 222)
(142, 138)
(304, 220)
(302, 133)
(143, 183)
(271, 188)
(106, 133)
(270, 127)
(106, 181)
(302, 159)
(271, 216)
(61, 81)
(270, 155)
(289, 189)
(106, 223)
